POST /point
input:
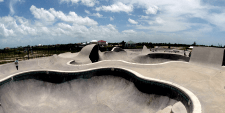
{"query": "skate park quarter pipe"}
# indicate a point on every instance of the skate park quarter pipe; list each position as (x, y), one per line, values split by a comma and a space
(207, 56)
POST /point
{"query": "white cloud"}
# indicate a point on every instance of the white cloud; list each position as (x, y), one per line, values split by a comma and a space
(159, 20)
(19, 31)
(118, 7)
(97, 14)
(111, 18)
(89, 3)
(11, 5)
(94, 14)
(41, 13)
(217, 19)
(132, 21)
(1, 0)
(74, 28)
(52, 14)
(4, 31)
(144, 17)
(72, 17)
(86, 11)
(129, 31)
(152, 10)
(170, 25)
(178, 12)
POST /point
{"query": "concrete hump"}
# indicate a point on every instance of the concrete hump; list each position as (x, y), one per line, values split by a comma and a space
(89, 52)
(117, 49)
(207, 56)
(145, 50)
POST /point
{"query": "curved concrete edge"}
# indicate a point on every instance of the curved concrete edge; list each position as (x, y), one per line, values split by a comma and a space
(196, 103)
(113, 48)
(194, 100)
(68, 63)
(117, 47)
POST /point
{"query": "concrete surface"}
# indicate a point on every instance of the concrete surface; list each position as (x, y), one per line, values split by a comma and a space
(165, 110)
(207, 56)
(205, 82)
(179, 108)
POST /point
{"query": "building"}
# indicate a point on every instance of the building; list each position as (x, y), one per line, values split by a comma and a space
(130, 44)
(94, 42)
(102, 42)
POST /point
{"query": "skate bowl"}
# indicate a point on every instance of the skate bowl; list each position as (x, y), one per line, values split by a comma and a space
(93, 90)
(144, 56)
(111, 55)
(153, 58)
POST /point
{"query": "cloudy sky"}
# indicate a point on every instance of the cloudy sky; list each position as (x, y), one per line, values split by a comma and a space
(33, 22)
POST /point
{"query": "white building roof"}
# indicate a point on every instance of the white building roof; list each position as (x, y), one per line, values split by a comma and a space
(94, 41)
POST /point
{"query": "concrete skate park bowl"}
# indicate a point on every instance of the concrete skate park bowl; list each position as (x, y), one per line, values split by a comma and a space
(153, 58)
(100, 90)
(144, 57)
(51, 84)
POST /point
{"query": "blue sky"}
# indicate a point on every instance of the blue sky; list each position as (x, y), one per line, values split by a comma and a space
(33, 22)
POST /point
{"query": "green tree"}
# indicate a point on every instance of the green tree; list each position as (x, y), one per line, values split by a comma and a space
(194, 44)
(123, 44)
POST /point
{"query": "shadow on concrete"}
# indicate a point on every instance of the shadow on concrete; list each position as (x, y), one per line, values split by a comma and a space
(94, 56)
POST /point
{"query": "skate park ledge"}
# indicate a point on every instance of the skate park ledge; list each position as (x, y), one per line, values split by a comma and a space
(162, 87)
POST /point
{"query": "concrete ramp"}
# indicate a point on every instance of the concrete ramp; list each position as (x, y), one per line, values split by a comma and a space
(207, 56)
(145, 50)
(88, 54)
(68, 55)
(117, 49)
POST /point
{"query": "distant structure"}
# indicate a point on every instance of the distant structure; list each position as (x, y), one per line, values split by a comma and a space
(130, 44)
(102, 43)
(7, 48)
(39, 45)
(94, 42)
